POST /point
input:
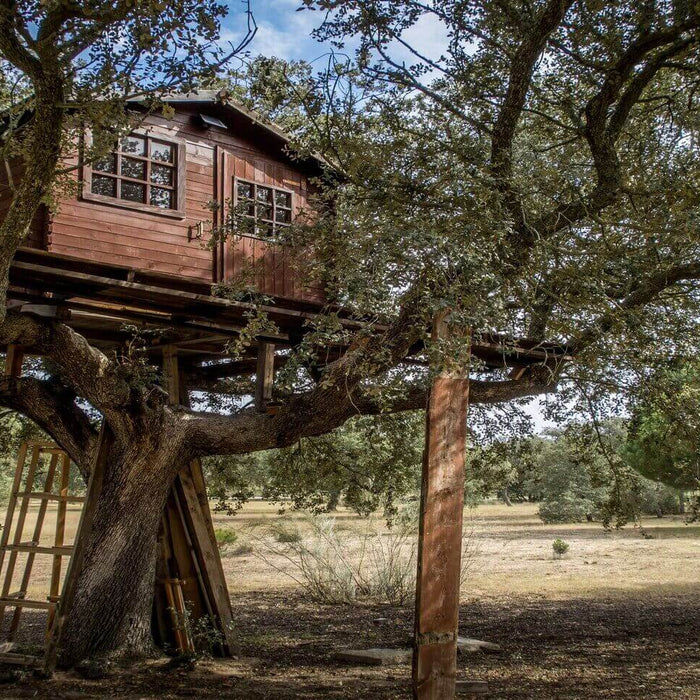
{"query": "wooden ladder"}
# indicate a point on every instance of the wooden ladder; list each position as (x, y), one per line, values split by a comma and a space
(30, 462)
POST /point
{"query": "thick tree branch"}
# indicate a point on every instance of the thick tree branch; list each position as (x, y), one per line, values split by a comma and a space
(91, 374)
(645, 291)
(52, 407)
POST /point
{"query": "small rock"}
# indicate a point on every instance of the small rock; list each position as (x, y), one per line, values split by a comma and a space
(376, 657)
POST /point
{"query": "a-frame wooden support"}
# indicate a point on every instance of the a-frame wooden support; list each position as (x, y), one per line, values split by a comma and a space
(440, 532)
(191, 582)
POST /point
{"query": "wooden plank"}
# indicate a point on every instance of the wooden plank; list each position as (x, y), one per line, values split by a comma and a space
(264, 376)
(26, 603)
(171, 374)
(21, 659)
(44, 496)
(104, 443)
(38, 549)
(59, 536)
(13, 360)
(440, 534)
(210, 559)
(12, 502)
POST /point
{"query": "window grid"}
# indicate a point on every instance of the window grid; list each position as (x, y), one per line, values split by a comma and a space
(265, 209)
(157, 158)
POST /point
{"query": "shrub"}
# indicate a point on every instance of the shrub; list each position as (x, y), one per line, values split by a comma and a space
(225, 537)
(285, 533)
(342, 566)
(567, 508)
(336, 566)
(560, 548)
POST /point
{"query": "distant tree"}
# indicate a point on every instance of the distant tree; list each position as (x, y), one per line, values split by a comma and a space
(664, 438)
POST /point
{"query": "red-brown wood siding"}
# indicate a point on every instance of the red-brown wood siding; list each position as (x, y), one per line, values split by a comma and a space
(274, 267)
(144, 240)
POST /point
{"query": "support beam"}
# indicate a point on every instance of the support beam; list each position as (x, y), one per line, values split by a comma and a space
(440, 532)
(13, 361)
(264, 376)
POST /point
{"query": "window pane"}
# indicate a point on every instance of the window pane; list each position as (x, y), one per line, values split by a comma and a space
(161, 174)
(161, 198)
(246, 208)
(283, 216)
(104, 185)
(108, 164)
(264, 194)
(133, 192)
(264, 211)
(135, 145)
(283, 199)
(134, 168)
(162, 152)
(245, 190)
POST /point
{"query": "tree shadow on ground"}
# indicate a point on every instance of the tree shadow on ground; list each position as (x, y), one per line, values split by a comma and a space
(644, 645)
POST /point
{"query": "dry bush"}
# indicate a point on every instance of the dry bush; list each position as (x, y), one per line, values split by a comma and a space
(335, 565)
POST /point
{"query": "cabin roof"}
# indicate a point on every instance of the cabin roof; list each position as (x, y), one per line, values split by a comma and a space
(247, 122)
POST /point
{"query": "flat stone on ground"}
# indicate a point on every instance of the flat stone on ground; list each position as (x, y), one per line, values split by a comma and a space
(473, 687)
(376, 657)
(465, 645)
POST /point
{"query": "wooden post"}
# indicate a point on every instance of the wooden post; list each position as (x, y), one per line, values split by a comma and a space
(13, 360)
(264, 375)
(440, 532)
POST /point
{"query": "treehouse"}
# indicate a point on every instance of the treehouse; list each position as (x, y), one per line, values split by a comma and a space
(134, 234)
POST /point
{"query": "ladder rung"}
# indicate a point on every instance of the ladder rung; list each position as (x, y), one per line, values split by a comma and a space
(46, 496)
(64, 551)
(43, 445)
(24, 603)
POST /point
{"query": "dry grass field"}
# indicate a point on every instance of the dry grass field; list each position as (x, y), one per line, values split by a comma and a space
(617, 617)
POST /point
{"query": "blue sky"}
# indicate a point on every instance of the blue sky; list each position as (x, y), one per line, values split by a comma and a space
(286, 33)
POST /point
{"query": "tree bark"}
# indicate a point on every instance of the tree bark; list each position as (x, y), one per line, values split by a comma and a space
(110, 613)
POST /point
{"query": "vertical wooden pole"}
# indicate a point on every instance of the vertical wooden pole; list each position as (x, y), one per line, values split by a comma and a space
(264, 375)
(171, 374)
(440, 533)
(13, 361)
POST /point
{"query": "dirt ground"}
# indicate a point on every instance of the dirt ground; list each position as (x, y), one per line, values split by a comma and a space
(618, 617)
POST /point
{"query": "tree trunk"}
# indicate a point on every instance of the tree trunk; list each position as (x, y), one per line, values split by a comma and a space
(506, 497)
(681, 502)
(110, 613)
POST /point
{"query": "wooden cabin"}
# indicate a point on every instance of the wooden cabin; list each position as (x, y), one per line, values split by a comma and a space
(150, 206)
